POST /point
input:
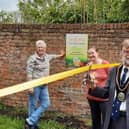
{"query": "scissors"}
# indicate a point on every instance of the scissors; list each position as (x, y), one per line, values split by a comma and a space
(87, 77)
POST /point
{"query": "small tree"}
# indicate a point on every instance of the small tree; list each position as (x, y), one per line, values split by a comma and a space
(5, 17)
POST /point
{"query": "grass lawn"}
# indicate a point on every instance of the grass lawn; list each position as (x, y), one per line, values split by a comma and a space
(14, 118)
(7, 122)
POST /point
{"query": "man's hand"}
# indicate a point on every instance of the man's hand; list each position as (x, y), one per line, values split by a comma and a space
(31, 91)
(62, 53)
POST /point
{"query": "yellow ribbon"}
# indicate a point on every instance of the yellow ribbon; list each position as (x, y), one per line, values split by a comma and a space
(48, 79)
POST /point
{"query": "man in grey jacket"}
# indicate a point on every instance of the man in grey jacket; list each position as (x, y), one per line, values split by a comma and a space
(38, 65)
(117, 89)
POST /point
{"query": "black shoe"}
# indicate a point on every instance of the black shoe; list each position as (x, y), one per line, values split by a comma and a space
(36, 127)
(32, 127)
(27, 126)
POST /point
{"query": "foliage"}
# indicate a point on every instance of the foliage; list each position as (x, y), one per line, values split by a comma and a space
(71, 11)
(125, 11)
(5, 17)
(49, 12)
(115, 11)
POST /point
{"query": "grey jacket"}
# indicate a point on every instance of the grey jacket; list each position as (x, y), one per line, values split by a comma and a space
(37, 67)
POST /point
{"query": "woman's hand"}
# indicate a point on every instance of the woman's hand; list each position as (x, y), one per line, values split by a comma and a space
(91, 84)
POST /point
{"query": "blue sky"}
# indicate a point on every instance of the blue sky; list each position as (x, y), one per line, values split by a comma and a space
(8, 5)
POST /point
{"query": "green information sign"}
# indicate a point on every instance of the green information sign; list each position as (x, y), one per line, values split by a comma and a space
(76, 49)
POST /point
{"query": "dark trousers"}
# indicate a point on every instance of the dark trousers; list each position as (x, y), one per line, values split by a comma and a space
(118, 124)
(98, 110)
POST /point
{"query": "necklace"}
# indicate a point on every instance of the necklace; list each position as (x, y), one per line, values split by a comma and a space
(121, 92)
(118, 78)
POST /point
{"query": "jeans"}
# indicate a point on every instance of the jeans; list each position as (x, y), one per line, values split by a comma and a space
(36, 109)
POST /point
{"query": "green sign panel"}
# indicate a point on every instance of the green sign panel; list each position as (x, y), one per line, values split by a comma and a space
(76, 49)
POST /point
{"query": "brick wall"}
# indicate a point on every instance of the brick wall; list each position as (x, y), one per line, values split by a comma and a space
(66, 95)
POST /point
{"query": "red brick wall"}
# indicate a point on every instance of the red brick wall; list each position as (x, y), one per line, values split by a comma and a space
(66, 95)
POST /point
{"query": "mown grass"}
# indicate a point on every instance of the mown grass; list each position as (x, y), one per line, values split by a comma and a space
(14, 118)
(7, 122)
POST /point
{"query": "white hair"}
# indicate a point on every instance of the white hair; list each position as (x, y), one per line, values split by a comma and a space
(41, 43)
(125, 43)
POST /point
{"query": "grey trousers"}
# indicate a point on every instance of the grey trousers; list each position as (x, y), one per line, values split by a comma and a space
(118, 124)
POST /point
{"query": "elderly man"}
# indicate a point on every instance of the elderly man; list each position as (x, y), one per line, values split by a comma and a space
(38, 65)
(117, 89)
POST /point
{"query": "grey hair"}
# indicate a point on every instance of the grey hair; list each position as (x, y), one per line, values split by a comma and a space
(41, 43)
(125, 43)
